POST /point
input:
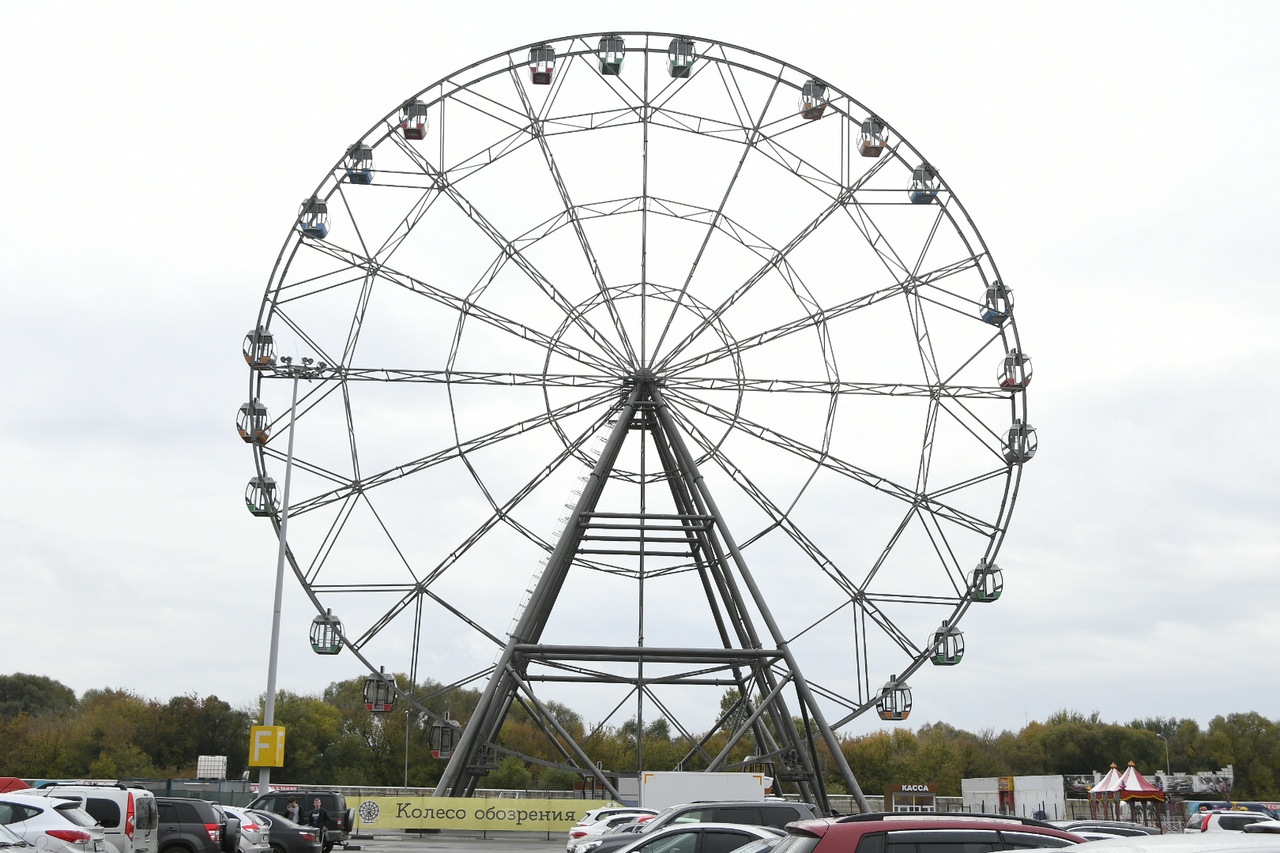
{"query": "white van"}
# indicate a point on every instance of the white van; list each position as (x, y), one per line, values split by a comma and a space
(128, 814)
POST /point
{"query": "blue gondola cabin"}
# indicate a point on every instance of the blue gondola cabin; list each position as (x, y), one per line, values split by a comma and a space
(313, 218)
(359, 164)
(997, 304)
(924, 184)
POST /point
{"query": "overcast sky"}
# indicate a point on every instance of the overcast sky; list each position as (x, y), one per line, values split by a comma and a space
(1117, 158)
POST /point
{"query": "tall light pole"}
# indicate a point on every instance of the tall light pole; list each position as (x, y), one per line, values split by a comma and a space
(1167, 772)
(307, 371)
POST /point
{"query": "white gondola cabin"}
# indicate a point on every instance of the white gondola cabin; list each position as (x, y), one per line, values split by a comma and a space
(680, 56)
(1015, 370)
(260, 497)
(326, 634)
(895, 700)
(413, 119)
(997, 305)
(259, 348)
(1019, 443)
(380, 692)
(444, 735)
(987, 582)
(313, 218)
(359, 164)
(253, 423)
(813, 99)
(542, 64)
(948, 645)
(871, 138)
(611, 52)
(924, 184)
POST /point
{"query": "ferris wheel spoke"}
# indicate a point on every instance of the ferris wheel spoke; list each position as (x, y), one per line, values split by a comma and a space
(541, 281)
(833, 386)
(464, 307)
(831, 463)
(339, 523)
(480, 377)
(987, 438)
(453, 452)
(511, 250)
(945, 553)
(779, 517)
(501, 513)
(355, 225)
(826, 315)
(714, 224)
(570, 210)
(742, 290)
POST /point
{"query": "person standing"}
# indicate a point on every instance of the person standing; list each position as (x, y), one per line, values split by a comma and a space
(293, 811)
(319, 818)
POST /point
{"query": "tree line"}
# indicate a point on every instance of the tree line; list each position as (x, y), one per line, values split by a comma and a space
(46, 731)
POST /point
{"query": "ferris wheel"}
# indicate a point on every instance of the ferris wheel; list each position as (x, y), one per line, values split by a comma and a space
(632, 369)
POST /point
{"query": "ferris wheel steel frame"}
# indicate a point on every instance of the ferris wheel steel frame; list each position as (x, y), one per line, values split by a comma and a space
(630, 379)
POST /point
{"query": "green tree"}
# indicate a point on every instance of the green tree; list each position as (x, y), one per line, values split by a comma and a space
(35, 695)
(511, 774)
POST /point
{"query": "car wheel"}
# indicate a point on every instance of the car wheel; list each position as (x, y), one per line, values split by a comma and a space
(276, 848)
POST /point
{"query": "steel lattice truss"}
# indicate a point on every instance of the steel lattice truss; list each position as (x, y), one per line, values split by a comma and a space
(639, 388)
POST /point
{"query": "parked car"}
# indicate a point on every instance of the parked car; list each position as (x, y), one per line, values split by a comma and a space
(52, 824)
(699, 838)
(189, 825)
(127, 813)
(609, 811)
(1206, 842)
(775, 813)
(287, 836)
(1223, 820)
(254, 835)
(601, 826)
(338, 827)
(1095, 829)
(922, 833)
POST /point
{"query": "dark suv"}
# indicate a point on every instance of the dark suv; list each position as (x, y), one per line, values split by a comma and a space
(338, 827)
(775, 813)
(902, 832)
(195, 826)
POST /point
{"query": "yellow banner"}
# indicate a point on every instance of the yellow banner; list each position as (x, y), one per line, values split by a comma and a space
(524, 815)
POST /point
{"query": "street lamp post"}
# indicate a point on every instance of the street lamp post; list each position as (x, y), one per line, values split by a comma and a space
(307, 371)
(1167, 771)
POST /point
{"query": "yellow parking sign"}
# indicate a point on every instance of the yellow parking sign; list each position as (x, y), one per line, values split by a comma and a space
(266, 746)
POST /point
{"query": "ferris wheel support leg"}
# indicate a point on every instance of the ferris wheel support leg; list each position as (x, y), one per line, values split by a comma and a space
(802, 686)
(487, 718)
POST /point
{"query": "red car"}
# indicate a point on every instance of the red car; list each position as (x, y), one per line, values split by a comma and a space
(902, 832)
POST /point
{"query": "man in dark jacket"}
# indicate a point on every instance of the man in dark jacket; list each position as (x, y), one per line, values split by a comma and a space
(319, 818)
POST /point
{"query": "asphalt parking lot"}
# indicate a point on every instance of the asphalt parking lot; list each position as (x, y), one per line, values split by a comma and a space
(460, 841)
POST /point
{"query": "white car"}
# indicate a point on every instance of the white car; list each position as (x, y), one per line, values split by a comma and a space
(127, 813)
(1223, 820)
(255, 837)
(700, 838)
(602, 824)
(54, 825)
